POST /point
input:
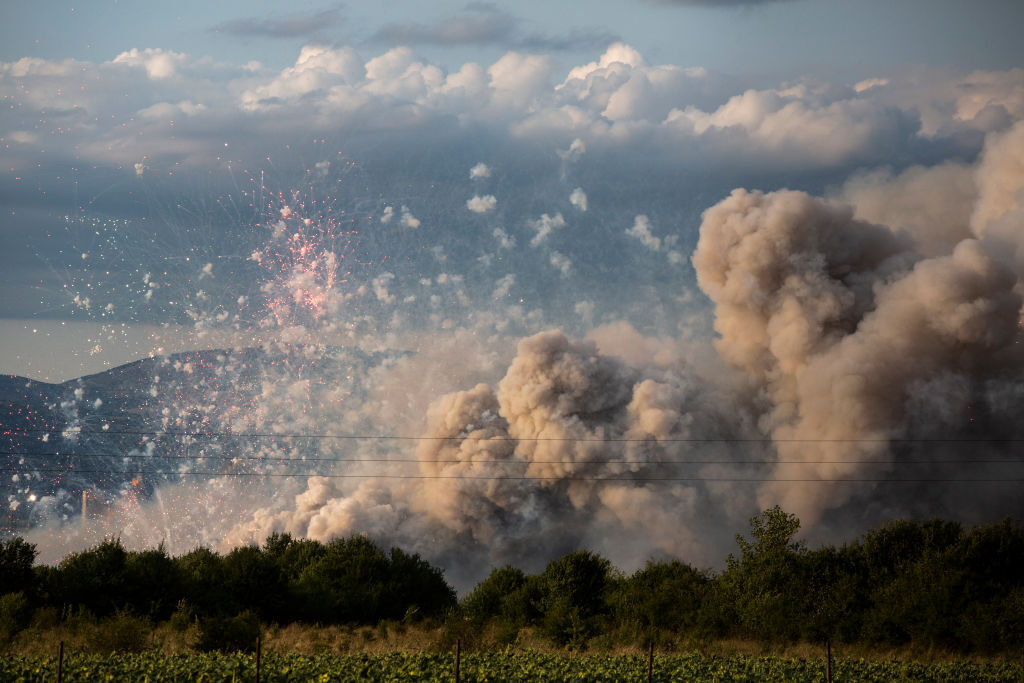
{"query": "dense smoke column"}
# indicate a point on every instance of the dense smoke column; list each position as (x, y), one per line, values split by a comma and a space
(839, 326)
(998, 216)
(572, 448)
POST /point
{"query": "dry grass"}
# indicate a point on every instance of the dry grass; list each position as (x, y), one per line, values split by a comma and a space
(315, 640)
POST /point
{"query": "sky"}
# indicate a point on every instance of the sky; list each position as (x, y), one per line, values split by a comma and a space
(795, 223)
(788, 37)
(188, 51)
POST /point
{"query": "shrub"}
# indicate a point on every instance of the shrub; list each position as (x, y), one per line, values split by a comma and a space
(94, 578)
(574, 597)
(153, 583)
(15, 612)
(16, 558)
(661, 596)
(182, 617)
(122, 632)
(230, 634)
(203, 578)
(485, 602)
(254, 581)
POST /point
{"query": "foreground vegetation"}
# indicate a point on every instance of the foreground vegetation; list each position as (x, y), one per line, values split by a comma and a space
(530, 666)
(928, 587)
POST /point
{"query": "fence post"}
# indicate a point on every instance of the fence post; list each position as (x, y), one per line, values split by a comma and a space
(60, 663)
(259, 654)
(650, 662)
(458, 660)
(828, 661)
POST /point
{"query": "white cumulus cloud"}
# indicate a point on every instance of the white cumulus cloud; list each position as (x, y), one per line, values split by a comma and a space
(641, 230)
(481, 204)
(578, 198)
(544, 226)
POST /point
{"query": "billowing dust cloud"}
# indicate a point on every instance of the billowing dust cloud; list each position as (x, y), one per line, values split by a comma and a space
(869, 341)
(869, 344)
(867, 365)
(567, 450)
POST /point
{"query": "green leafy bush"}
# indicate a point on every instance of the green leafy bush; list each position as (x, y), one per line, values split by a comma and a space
(15, 612)
(121, 632)
(229, 634)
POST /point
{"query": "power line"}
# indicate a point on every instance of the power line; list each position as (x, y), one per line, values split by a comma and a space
(555, 478)
(404, 437)
(273, 459)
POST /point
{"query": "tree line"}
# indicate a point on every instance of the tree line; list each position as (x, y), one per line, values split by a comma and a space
(935, 583)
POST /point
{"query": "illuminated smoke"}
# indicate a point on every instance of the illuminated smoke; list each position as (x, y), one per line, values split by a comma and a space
(851, 332)
(999, 212)
(560, 453)
(847, 330)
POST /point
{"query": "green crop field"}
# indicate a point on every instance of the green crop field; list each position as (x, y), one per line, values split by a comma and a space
(483, 667)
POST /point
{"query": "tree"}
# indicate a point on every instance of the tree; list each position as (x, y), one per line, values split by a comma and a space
(833, 595)
(662, 596)
(767, 583)
(574, 596)
(345, 584)
(94, 578)
(414, 587)
(907, 576)
(292, 555)
(203, 582)
(153, 583)
(254, 579)
(773, 531)
(16, 559)
(488, 600)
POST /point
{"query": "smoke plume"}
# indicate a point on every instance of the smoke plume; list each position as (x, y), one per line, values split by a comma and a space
(848, 331)
(566, 451)
(866, 365)
(864, 342)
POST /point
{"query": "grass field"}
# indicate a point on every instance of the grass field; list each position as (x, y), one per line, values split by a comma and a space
(394, 652)
(506, 666)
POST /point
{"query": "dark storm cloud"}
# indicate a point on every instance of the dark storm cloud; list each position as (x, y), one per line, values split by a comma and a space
(291, 26)
(716, 3)
(479, 23)
(576, 39)
(482, 23)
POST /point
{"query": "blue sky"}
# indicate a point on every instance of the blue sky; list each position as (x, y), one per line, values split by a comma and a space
(782, 37)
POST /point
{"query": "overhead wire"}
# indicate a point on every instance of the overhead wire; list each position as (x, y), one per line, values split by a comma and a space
(563, 461)
(377, 475)
(311, 461)
(406, 437)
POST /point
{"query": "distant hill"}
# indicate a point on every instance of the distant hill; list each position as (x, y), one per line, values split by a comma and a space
(102, 432)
